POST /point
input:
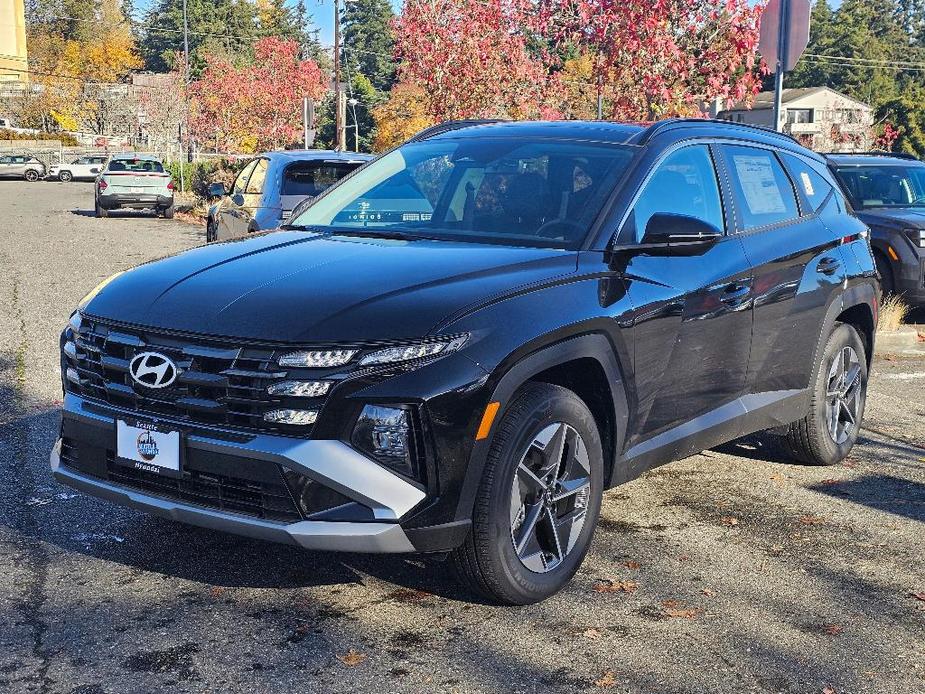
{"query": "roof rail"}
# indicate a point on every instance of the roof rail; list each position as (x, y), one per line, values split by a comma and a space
(449, 126)
(874, 153)
(672, 123)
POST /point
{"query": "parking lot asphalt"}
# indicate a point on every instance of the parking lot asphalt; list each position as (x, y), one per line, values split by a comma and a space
(731, 571)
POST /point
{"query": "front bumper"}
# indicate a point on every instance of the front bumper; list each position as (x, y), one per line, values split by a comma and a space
(330, 463)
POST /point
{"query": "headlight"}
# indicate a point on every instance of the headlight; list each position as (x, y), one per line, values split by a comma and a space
(420, 350)
(322, 359)
(917, 236)
(384, 434)
(298, 418)
(97, 289)
(300, 389)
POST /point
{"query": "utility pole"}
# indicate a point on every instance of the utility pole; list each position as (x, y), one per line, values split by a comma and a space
(783, 45)
(185, 98)
(340, 104)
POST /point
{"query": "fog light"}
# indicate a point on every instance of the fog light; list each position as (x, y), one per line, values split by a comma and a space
(300, 389)
(321, 359)
(293, 417)
(384, 433)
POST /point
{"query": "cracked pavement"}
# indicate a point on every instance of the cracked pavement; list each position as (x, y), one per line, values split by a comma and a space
(731, 571)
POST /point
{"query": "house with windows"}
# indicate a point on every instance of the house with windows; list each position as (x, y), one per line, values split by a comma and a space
(818, 117)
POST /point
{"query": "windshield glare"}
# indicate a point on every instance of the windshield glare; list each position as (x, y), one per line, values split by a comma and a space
(884, 186)
(510, 191)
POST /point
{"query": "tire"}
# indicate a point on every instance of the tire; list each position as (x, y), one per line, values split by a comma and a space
(65, 176)
(168, 212)
(101, 212)
(31, 175)
(211, 230)
(826, 435)
(887, 282)
(488, 561)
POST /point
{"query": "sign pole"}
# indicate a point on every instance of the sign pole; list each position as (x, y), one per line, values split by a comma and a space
(783, 45)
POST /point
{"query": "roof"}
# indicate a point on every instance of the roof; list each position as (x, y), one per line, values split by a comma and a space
(602, 131)
(873, 159)
(316, 154)
(765, 100)
(136, 156)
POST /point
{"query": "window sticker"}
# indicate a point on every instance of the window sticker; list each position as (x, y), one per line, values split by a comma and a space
(807, 184)
(756, 177)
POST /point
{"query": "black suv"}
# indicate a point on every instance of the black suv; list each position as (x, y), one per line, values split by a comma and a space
(888, 193)
(462, 345)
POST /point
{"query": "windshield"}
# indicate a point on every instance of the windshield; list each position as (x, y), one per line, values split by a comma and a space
(884, 186)
(498, 190)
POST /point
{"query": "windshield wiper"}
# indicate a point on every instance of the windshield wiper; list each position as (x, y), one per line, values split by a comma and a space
(377, 233)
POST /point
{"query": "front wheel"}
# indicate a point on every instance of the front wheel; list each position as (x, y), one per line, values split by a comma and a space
(539, 499)
(887, 284)
(32, 175)
(828, 432)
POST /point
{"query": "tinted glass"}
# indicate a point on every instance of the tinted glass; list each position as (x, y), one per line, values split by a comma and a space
(762, 188)
(255, 183)
(240, 183)
(684, 183)
(814, 187)
(497, 190)
(888, 185)
(313, 177)
(136, 165)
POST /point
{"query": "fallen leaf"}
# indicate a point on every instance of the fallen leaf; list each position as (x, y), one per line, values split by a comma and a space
(632, 564)
(811, 520)
(833, 629)
(606, 585)
(352, 658)
(709, 592)
(683, 557)
(409, 595)
(673, 608)
(216, 591)
(829, 690)
(591, 633)
(777, 548)
(606, 681)
(730, 521)
(829, 482)
(777, 477)
(918, 596)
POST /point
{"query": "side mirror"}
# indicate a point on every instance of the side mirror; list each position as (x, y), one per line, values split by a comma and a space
(217, 190)
(680, 233)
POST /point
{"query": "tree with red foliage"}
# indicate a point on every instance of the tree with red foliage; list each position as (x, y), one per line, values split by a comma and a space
(257, 106)
(474, 58)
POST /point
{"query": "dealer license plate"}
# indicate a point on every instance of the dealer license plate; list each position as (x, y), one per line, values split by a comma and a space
(148, 447)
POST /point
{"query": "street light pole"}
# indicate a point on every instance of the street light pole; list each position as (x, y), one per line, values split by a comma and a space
(340, 107)
(783, 42)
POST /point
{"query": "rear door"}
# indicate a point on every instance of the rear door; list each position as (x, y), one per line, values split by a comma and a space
(796, 261)
(692, 314)
(6, 166)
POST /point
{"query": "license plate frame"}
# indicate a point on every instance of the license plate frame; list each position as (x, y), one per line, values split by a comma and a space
(149, 446)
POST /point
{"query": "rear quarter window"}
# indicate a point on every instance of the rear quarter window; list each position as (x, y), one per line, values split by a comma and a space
(313, 178)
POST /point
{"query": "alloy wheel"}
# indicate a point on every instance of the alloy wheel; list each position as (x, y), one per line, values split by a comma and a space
(844, 395)
(549, 497)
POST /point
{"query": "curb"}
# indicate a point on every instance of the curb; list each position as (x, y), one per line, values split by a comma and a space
(902, 341)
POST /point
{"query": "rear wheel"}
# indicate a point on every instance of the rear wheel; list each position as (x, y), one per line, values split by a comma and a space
(828, 432)
(100, 210)
(539, 499)
(168, 212)
(32, 175)
(65, 176)
(211, 230)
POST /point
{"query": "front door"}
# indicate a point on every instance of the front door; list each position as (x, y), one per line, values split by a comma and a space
(228, 211)
(796, 260)
(692, 313)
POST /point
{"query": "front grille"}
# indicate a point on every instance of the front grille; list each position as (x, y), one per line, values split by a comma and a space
(218, 383)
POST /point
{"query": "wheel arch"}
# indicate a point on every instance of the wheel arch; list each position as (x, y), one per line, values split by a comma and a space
(575, 363)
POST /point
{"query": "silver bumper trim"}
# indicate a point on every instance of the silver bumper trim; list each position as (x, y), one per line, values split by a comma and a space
(315, 535)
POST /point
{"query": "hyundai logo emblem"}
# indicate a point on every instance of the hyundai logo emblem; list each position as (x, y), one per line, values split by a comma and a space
(153, 370)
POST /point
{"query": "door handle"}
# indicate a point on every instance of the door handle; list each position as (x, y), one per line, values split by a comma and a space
(735, 294)
(828, 265)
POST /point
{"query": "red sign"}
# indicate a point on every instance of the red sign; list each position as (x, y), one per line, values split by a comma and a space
(797, 32)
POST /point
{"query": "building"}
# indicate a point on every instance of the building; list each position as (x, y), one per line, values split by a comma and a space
(14, 61)
(818, 117)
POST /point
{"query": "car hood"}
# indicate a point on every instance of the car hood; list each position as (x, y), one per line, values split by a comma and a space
(897, 217)
(300, 287)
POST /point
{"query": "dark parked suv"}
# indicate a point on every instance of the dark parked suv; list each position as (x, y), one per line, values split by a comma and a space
(461, 346)
(888, 193)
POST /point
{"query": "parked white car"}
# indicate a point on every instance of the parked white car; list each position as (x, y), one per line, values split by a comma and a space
(81, 169)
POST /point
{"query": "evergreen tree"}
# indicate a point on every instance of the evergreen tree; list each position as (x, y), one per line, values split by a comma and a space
(369, 42)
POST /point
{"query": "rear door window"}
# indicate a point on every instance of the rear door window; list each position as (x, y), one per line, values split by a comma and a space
(762, 188)
(312, 178)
